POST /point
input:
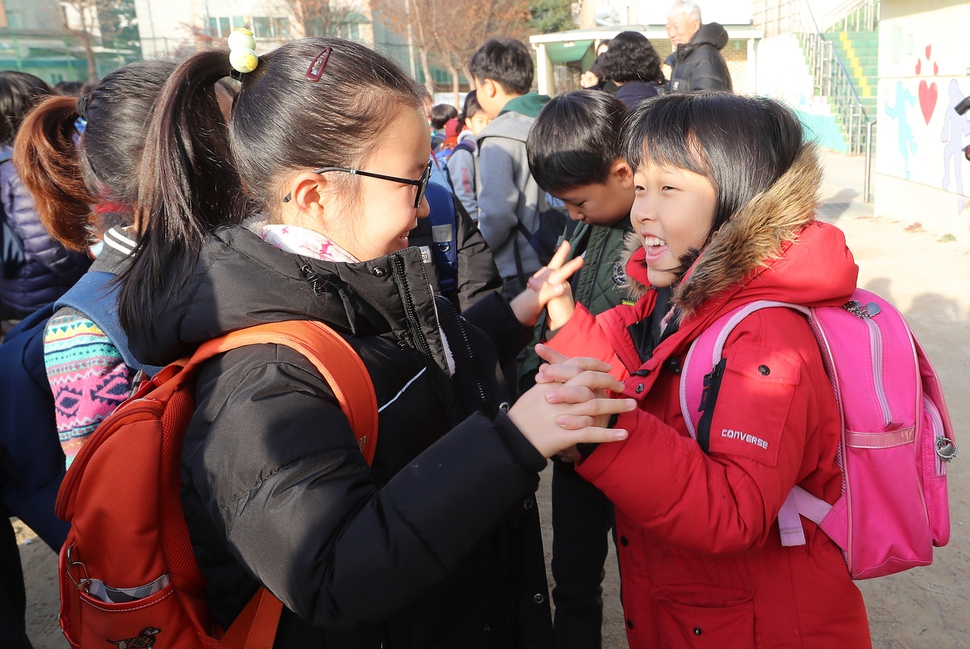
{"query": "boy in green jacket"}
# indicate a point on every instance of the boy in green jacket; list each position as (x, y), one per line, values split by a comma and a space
(575, 154)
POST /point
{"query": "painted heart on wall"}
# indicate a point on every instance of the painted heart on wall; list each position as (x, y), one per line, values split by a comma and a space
(927, 99)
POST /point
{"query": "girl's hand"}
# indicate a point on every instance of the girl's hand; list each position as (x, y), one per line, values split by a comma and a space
(557, 416)
(547, 285)
(559, 368)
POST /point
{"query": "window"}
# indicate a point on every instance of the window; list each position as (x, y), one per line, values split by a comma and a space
(271, 27)
(350, 31)
(281, 27)
(261, 27)
(222, 26)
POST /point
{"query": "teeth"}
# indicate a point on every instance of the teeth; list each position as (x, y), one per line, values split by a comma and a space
(653, 241)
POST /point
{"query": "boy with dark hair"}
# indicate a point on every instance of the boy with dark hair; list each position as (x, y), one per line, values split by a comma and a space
(575, 153)
(509, 199)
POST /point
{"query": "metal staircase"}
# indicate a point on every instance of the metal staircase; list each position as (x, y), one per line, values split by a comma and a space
(842, 58)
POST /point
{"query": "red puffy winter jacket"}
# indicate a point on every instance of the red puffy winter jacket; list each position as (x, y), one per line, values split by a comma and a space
(700, 553)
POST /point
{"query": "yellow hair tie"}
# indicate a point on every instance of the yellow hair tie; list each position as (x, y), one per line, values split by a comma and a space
(242, 50)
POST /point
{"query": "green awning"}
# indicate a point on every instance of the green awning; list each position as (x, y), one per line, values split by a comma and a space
(567, 51)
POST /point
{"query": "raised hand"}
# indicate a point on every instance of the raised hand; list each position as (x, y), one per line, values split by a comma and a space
(549, 283)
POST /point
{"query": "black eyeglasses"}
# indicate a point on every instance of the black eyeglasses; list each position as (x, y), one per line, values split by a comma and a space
(421, 183)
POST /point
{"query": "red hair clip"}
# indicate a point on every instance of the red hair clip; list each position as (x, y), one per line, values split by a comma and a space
(318, 64)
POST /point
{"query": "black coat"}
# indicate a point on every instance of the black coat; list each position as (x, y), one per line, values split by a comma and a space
(632, 93)
(698, 64)
(437, 544)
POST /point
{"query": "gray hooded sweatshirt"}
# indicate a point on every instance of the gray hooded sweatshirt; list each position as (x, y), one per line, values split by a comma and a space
(507, 193)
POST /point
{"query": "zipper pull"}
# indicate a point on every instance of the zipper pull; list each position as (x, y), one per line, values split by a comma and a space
(316, 282)
(864, 311)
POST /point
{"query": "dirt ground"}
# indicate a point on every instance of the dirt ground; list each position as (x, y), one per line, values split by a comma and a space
(926, 276)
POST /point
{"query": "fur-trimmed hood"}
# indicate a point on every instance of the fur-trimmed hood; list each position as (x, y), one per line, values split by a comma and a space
(768, 244)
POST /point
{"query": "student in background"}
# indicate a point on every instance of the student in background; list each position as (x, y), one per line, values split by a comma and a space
(576, 154)
(441, 114)
(461, 163)
(47, 269)
(726, 195)
(508, 197)
(85, 193)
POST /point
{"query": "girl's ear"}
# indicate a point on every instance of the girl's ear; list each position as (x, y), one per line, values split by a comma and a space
(308, 199)
(621, 170)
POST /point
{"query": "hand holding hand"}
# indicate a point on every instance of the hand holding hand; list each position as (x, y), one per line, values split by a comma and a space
(557, 416)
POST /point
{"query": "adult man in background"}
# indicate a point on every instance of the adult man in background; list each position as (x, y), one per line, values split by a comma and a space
(696, 62)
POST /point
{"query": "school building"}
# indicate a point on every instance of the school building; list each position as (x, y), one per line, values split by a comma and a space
(36, 38)
(175, 28)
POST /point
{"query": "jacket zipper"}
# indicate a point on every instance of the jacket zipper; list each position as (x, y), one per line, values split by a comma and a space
(599, 260)
(474, 363)
(415, 325)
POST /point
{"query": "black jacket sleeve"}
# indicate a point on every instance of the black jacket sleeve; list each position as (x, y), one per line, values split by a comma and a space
(711, 71)
(276, 468)
(495, 317)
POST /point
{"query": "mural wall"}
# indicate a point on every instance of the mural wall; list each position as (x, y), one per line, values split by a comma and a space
(924, 68)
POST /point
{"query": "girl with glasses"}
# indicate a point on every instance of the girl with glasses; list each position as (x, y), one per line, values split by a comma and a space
(299, 208)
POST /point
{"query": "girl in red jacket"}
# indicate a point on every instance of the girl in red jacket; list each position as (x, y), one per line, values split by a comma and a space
(724, 215)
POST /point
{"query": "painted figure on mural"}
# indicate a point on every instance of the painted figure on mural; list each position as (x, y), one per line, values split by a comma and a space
(907, 143)
(955, 128)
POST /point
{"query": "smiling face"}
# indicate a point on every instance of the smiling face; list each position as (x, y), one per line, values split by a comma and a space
(376, 219)
(673, 212)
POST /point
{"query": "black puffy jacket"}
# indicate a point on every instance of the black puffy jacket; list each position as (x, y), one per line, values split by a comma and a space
(48, 268)
(437, 544)
(698, 64)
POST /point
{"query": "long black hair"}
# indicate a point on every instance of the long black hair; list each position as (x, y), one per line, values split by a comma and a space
(198, 172)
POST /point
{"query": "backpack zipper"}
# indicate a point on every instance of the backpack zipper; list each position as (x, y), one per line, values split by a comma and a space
(867, 312)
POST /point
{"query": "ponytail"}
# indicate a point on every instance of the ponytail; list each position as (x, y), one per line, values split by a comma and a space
(188, 185)
(47, 161)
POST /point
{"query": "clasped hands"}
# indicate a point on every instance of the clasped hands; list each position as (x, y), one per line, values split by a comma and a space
(570, 404)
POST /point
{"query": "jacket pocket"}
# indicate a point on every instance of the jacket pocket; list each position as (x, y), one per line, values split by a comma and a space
(705, 617)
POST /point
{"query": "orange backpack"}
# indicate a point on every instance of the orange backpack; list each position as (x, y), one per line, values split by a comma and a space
(127, 570)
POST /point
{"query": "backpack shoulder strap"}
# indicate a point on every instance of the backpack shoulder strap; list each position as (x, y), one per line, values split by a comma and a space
(699, 383)
(705, 355)
(343, 369)
(466, 145)
(334, 358)
(95, 295)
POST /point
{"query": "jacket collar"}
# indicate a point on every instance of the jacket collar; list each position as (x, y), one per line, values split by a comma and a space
(240, 281)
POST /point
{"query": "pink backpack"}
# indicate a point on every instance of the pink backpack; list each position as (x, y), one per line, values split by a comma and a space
(896, 434)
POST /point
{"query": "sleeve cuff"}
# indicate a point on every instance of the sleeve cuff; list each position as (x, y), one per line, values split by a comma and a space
(521, 448)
